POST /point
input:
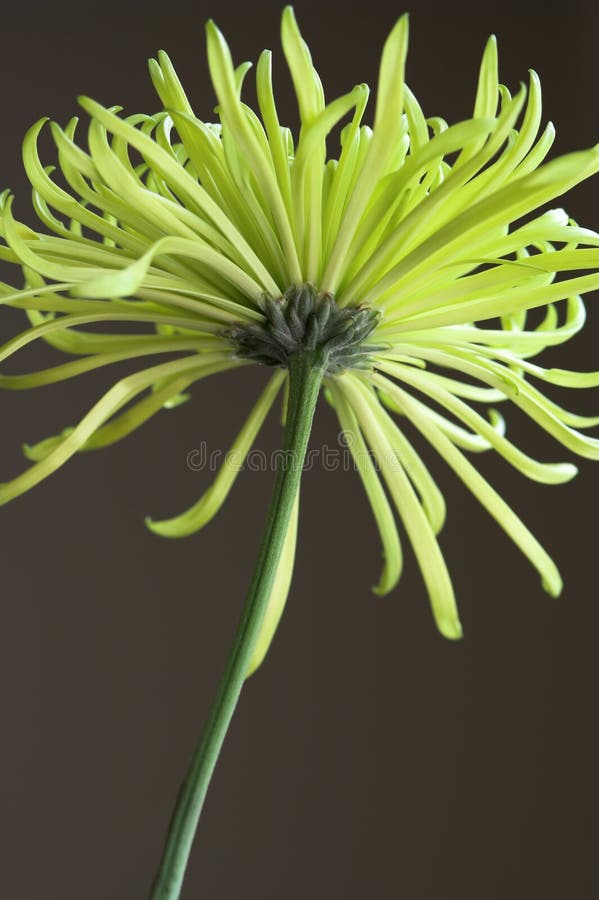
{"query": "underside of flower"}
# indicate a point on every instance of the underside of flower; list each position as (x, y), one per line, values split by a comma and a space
(433, 247)
(304, 320)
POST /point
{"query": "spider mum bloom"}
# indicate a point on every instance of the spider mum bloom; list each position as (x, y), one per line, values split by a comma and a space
(405, 266)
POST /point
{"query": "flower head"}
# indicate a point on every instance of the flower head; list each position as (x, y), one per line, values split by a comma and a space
(408, 260)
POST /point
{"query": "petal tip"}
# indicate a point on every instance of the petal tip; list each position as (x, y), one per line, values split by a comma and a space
(451, 629)
(152, 525)
(553, 586)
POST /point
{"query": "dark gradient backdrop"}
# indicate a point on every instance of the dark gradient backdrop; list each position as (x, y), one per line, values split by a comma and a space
(369, 758)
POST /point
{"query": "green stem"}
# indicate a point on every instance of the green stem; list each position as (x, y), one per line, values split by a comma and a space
(306, 371)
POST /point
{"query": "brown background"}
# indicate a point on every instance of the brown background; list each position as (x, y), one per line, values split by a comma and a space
(369, 758)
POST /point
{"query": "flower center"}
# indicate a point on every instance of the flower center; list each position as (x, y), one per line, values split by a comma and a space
(304, 320)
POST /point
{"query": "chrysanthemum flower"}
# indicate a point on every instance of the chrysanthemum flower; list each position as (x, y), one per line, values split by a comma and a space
(398, 271)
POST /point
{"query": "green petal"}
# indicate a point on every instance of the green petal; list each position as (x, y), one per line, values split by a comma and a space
(467, 440)
(377, 498)
(72, 369)
(514, 200)
(546, 473)
(65, 322)
(120, 394)
(307, 84)
(125, 424)
(481, 489)
(308, 175)
(387, 125)
(211, 501)
(551, 417)
(127, 281)
(429, 556)
(278, 594)
(278, 149)
(431, 497)
(180, 180)
(232, 114)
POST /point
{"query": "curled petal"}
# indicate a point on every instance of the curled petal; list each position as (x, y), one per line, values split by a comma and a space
(481, 489)
(278, 594)
(211, 501)
(377, 498)
(429, 556)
